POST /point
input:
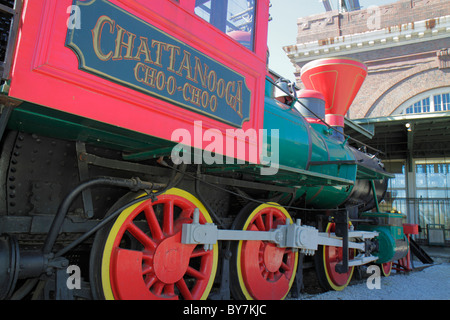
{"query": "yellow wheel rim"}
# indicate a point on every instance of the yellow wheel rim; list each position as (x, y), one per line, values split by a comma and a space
(165, 261)
(264, 271)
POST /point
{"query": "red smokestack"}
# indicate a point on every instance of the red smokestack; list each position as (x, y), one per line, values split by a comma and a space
(339, 80)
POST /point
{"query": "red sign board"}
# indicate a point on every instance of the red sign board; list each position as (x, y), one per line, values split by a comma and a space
(151, 69)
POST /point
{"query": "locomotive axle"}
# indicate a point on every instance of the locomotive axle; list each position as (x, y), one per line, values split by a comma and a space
(296, 236)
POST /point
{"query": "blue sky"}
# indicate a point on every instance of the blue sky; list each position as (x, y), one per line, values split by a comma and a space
(283, 28)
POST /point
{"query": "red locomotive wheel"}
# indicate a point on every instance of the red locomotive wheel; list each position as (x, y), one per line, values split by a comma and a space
(386, 269)
(260, 269)
(143, 257)
(326, 258)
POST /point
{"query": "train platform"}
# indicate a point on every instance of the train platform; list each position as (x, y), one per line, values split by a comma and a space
(440, 254)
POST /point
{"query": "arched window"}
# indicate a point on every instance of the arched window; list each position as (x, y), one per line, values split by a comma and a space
(435, 100)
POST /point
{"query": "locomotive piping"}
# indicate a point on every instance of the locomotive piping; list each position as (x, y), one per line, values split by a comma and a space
(111, 217)
(172, 183)
(202, 199)
(262, 201)
(134, 184)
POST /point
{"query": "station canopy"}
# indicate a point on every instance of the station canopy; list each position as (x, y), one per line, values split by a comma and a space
(407, 136)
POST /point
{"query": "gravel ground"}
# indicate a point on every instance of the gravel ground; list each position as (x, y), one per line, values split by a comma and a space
(428, 282)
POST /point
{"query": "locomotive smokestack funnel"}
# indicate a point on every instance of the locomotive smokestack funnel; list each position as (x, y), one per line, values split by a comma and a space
(339, 80)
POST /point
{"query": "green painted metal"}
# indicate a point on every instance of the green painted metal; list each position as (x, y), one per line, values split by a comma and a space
(322, 168)
(293, 136)
(49, 122)
(372, 184)
(391, 239)
(309, 156)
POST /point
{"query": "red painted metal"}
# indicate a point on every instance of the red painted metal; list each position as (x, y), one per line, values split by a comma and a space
(266, 269)
(404, 264)
(310, 94)
(333, 256)
(410, 228)
(46, 72)
(164, 267)
(386, 268)
(339, 80)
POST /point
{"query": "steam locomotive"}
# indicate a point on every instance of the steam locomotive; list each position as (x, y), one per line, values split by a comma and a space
(148, 153)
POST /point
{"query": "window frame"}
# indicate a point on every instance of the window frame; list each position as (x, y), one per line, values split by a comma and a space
(435, 100)
(225, 24)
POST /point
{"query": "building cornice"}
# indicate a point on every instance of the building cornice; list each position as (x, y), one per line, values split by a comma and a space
(400, 35)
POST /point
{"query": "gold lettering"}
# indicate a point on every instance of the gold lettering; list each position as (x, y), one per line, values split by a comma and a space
(186, 65)
(229, 97)
(185, 89)
(143, 49)
(150, 78)
(173, 50)
(138, 67)
(159, 46)
(239, 98)
(205, 99)
(160, 80)
(212, 79)
(195, 95)
(120, 43)
(221, 88)
(97, 36)
(213, 103)
(198, 70)
(149, 74)
(171, 85)
(214, 88)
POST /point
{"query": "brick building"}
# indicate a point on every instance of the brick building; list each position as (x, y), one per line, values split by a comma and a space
(404, 44)
(403, 107)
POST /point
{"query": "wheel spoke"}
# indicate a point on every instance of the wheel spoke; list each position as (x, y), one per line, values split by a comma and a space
(168, 217)
(169, 289)
(269, 220)
(184, 290)
(150, 281)
(148, 258)
(266, 271)
(147, 270)
(187, 213)
(260, 223)
(285, 267)
(140, 235)
(200, 253)
(153, 223)
(158, 288)
(195, 273)
(155, 264)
